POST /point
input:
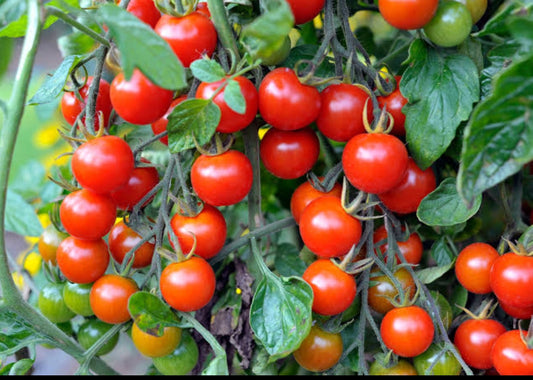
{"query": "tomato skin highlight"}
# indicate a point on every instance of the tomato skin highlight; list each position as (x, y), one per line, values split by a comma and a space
(144, 10)
(511, 279)
(82, 261)
(408, 14)
(510, 355)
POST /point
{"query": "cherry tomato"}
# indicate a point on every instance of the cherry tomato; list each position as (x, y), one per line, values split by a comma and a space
(305, 10)
(154, 346)
(320, 350)
(445, 364)
(510, 355)
(383, 289)
(327, 229)
(91, 331)
(48, 242)
(103, 164)
(160, 125)
(138, 100)
(71, 106)
(408, 14)
(189, 36)
(203, 7)
(289, 154)
(511, 279)
(393, 104)
(405, 197)
(411, 249)
(223, 179)
(144, 10)
(520, 312)
(285, 102)
(51, 303)
(472, 267)
(476, 8)
(76, 297)
(408, 331)
(231, 121)
(305, 193)
(109, 298)
(451, 24)
(122, 239)
(141, 181)
(182, 360)
(341, 111)
(333, 289)
(82, 261)
(208, 230)
(87, 215)
(474, 339)
(375, 162)
(402, 367)
(188, 285)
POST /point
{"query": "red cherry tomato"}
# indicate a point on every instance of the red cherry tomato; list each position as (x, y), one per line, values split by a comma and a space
(87, 215)
(405, 197)
(305, 10)
(207, 230)
(341, 113)
(122, 239)
(327, 229)
(109, 298)
(190, 36)
(188, 285)
(285, 102)
(525, 312)
(320, 350)
(289, 154)
(472, 267)
(333, 289)
(411, 249)
(474, 339)
(71, 106)
(510, 355)
(141, 181)
(305, 193)
(103, 164)
(374, 162)
(511, 279)
(144, 10)
(408, 331)
(408, 14)
(82, 261)
(202, 7)
(223, 179)
(231, 121)
(160, 125)
(393, 104)
(138, 100)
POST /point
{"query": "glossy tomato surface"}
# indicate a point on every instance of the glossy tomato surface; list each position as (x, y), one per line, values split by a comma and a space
(511, 279)
(383, 289)
(122, 239)
(451, 24)
(305, 10)
(320, 350)
(473, 265)
(82, 261)
(109, 298)
(393, 104)
(153, 346)
(510, 355)
(408, 14)
(144, 10)
(305, 193)
(48, 242)
(141, 181)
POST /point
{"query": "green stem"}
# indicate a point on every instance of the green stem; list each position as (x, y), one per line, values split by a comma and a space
(223, 27)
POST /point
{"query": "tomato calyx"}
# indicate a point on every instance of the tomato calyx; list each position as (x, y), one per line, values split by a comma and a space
(485, 312)
(382, 124)
(519, 249)
(362, 202)
(351, 266)
(220, 143)
(385, 82)
(176, 8)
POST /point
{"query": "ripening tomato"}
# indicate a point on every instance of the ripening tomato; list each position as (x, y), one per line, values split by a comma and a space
(182, 360)
(408, 331)
(305, 193)
(341, 111)
(141, 181)
(206, 231)
(154, 346)
(144, 10)
(375, 162)
(223, 179)
(71, 106)
(285, 102)
(122, 239)
(405, 197)
(408, 14)
(333, 289)
(411, 249)
(188, 285)
(383, 290)
(109, 298)
(511, 279)
(289, 154)
(472, 267)
(190, 36)
(48, 242)
(137, 100)
(103, 164)
(230, 120)
(320, 350)
(476, 8)
(305, 10)
(393, 104)
(441, 363)
(474, 339)
(160, 125)
(511, 356)
(82, 261)
(327, 229)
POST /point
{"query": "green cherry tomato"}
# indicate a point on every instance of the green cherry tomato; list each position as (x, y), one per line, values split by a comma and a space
(476, 8)
(402, 367)
(450, 26)
(52, 304)
(76, 298)
(274, 54)
(182, 360)
(93, 329)
(446, 364)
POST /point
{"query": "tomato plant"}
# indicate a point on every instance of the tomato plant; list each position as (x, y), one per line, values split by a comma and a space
(442, 364)
(394, 103)
(160, 125)
(411, 249)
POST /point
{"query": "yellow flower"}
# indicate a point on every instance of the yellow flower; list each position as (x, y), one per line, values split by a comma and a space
(33, 263)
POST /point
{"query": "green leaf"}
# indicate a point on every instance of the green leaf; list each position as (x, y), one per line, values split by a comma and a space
(150, 313)
(207, 70)
(21, 367)
(53, 85)
(497, 24)
(287, 261)
(441, 88)
(280, 314)
(139, 44)
(445, 207)
(499, 57)
(75, 43)
(526, 239)
(216, 366)
(441, 252)
(233, 97)
(20, 217)
(192, 119)
(430, 274)
(498, 140)
(16, 334)
(459, 298)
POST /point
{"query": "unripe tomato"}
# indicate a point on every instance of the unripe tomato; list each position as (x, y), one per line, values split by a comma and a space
(109, 298)
(182, 360)
(91, 331)
(155, 346)
(320, 350)
(402, 367)
(383, 290)
(451, 24)
(444, 365)
(476, 8)
(51, 303)
(76, 298)
(82, 261)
